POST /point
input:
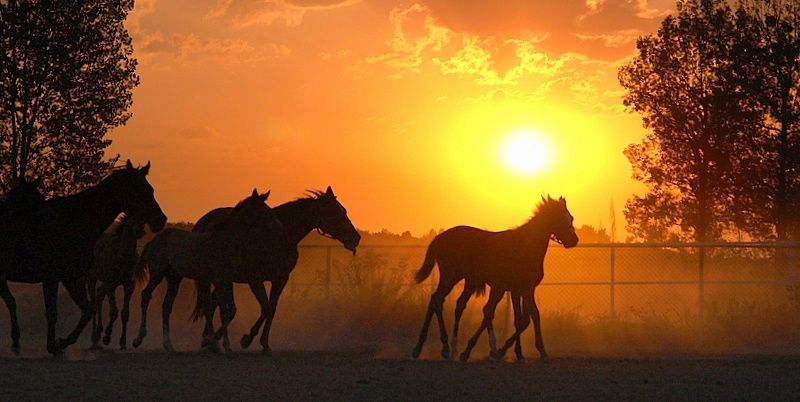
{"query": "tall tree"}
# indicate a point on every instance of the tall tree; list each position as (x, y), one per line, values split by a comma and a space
(767, 191)
(66, 77)
(679, 83)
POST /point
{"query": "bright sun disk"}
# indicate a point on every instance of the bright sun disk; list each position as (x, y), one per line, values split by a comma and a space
(526, 152)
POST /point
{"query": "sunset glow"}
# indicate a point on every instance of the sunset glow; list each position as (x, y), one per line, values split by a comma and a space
(526, 152)
(402, 107)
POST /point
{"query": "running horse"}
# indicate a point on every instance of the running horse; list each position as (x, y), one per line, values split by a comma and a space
(320, 211)
(114, 260)
(65, 253)
(510, 260)
(248, 239)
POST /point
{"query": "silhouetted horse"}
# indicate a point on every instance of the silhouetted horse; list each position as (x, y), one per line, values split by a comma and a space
(244, 242)
(81, 219)
(320, 211)
(114, 261)
(511, 260)
(26, 223)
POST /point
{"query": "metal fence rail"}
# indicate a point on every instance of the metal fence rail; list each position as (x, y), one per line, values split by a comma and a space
(769, 263)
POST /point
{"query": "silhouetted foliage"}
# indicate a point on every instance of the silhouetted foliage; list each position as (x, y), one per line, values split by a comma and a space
(768, 171)
(679, 84)
(66, 75)
(717, 89)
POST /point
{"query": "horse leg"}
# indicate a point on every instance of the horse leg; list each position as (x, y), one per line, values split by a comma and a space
(204, 288)
(227, 310)
(97, 316)
(50, 290)
(461, 304)
(113, 313)
(521, 322)
(91, 288)
(126, 313)
(519, 316)
(537, 325)
(274, 295)
(263, 300)
(173, 285)
(488, 315)
(77, 291)
(147, 294)
(11, 304)
(435, 307)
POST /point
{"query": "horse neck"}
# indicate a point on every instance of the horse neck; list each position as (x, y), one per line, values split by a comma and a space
(297, 219)
(535, 231)
(88, 212)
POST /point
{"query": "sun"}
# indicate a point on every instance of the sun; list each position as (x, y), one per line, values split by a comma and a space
(526, 152)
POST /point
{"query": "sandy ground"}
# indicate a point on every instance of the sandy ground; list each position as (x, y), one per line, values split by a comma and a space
(322, 375)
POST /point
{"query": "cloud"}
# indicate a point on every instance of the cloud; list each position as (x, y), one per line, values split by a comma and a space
(597, 28)
(244, 13)
(191, 48)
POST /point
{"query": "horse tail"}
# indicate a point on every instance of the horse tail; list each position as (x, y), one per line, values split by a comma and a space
(140, 270)
(430, 261)
(203, 299)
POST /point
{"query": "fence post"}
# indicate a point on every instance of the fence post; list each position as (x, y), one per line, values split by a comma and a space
(328, 294)
(701, 304)
(612, 283)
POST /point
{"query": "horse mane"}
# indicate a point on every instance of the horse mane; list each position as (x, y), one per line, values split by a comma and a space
(543, 208)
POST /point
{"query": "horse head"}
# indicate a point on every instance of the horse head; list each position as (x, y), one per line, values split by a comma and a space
(559, 221)
(137, 196)
(253, 211)
(330, 219)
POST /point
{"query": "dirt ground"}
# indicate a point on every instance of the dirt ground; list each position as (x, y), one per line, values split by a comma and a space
(323, 375)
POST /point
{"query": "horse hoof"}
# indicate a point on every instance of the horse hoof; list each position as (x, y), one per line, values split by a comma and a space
(496, 355)
(266, 351)
(123, 347)
(246, 341)
(464, 357)
(520, 359)
(446, 352)
(15, 350)
(415, 353)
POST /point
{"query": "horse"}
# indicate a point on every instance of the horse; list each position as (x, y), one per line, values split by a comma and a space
(24, 219)
(114, 260)
(244, 241)
(510, 260)
(320, 211)
(80, 220)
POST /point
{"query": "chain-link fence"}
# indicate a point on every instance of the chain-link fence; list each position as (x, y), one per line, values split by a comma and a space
(743, 295)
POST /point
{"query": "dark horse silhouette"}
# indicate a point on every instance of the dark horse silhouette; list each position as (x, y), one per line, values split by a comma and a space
(114, 261)
(67, 256)
(25, 223)
(321, 211)
(511, 260)
(244, 241)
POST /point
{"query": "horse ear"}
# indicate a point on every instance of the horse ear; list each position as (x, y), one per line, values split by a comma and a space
(146, 169)
(264, 196)
(255, 193)
(329, 192)
(128, 164)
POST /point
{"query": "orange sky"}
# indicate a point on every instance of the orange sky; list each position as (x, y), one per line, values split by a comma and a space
(400, 106)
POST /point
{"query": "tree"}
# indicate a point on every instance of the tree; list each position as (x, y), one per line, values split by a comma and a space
(680, 84)
(768, 176)
(66, 76)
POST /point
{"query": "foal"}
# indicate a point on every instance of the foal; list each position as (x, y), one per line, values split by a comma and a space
(114, 261)
(511, 260)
